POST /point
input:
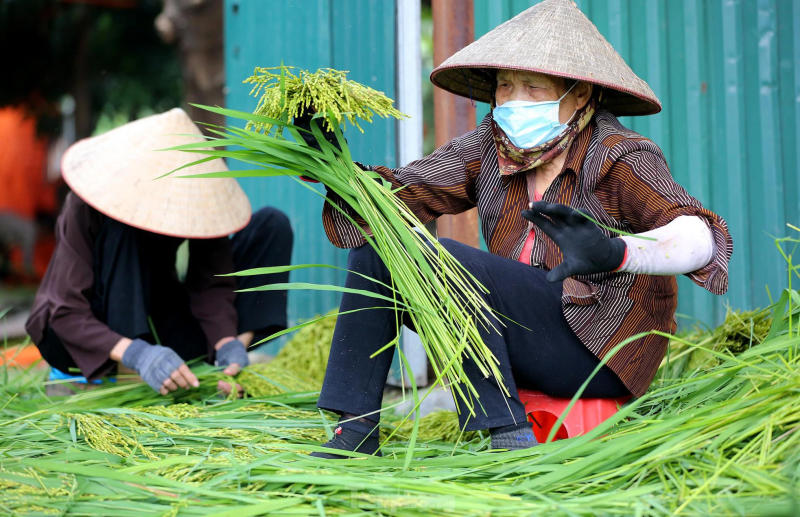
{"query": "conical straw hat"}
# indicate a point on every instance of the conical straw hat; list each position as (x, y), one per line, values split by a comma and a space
(116, 173)
(553, 37)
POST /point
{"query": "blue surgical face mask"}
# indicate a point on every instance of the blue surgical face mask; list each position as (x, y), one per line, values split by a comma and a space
(529, 124)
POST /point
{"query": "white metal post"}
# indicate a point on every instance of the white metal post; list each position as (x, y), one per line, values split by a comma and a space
(409, 140)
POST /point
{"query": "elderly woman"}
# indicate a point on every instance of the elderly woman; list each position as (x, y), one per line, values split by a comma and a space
(112, 294)
(552, 145)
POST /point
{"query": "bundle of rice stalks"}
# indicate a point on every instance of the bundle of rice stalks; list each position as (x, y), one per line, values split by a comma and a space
(286, 95)
(442, 298)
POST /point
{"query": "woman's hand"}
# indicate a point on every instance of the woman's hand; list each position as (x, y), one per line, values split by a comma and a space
(157, 365)
(232, 354)
(585, 247)
(305, 120)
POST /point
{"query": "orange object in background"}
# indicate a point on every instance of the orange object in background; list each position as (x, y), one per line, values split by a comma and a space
(543, 411)
(24, 189)
(23, 157)
(20, 356)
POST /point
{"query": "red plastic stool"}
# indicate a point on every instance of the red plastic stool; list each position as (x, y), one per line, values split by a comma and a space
(543, 411)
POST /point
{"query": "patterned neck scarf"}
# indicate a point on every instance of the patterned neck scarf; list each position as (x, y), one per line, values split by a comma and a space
(513, 159)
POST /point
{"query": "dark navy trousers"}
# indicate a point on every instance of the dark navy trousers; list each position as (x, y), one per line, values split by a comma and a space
(541, 352)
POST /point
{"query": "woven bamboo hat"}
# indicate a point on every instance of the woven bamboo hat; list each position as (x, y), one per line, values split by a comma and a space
(553, 37)
(116, 173)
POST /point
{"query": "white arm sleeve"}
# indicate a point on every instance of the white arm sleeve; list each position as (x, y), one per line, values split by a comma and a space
(682, 246)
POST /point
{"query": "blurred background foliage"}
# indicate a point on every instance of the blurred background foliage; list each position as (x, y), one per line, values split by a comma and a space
(105, 54)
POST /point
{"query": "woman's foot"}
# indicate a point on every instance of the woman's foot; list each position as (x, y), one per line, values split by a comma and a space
(352, 434)
(513, 437)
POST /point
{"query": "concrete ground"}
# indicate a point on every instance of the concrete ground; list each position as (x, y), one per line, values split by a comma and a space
(12, 325)
(15, 303)
(435, 399)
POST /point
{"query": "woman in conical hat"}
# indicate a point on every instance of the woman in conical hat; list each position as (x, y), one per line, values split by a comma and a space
(112, 294)
(550, 151)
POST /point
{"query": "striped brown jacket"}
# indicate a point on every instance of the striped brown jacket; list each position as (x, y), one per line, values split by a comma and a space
(616, 175)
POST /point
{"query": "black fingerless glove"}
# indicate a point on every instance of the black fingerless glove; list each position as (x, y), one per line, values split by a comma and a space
(586, 249)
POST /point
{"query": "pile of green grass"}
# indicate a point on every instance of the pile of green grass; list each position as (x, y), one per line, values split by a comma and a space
(300, 364)
(719, 439)
(739, 332)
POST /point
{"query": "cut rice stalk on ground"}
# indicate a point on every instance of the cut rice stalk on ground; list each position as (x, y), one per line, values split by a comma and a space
(720, 440)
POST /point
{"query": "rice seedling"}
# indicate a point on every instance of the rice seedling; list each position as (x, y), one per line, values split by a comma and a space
(286, 95)
(442, 299)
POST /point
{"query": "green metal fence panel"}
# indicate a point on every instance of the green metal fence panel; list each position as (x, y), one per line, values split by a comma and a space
(728, 75)
(354, 35)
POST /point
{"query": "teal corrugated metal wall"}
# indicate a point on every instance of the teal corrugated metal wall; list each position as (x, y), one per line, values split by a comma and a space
(728, 75)
(727, 72)
(354, 35)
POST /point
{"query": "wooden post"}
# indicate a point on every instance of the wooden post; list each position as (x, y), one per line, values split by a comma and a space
(453, 29)
(196, 27)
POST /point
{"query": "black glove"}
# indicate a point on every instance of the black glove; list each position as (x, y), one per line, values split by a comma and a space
(232, 352)
(304, 122)
(585, 247)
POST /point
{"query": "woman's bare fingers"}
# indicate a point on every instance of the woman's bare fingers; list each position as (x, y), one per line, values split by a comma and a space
(169, 384)
(224, 387)
(232, 369)
(190, 377)
(178, 378)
